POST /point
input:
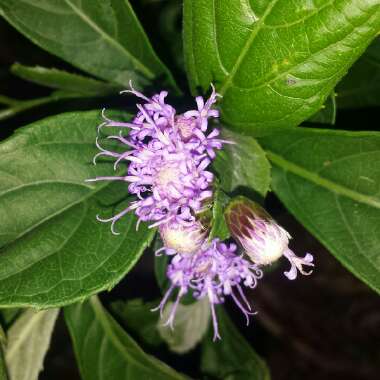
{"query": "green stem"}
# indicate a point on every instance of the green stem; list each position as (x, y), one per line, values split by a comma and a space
(8, 101)
(18, 106)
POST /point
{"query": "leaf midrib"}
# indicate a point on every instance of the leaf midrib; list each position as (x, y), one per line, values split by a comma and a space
(246, 48)
(322, 182)
(258, 27)
(111, 40)
(65, 300)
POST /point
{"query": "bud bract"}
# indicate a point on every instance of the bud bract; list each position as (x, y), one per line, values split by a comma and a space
(179, 237)
(261, 237)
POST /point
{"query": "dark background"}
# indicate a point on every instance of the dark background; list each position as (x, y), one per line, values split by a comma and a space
(326, 326)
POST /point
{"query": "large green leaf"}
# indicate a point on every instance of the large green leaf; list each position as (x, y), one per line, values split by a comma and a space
(27, 343)
(105, 351)
(15, 106)
(231, 358)
(138, 317)
(53, 250)
(219, 228)
(3, 337)
(190, 325)
(64, 80)
(242, 164)
(8, 316)
(327, 114)
(102, 37)
(330, 180)
(361, 86)
(274, 61)
(161, 263)
(3, 367)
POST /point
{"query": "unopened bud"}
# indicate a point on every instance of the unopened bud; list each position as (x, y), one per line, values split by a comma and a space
(263, 240)
(184, 239)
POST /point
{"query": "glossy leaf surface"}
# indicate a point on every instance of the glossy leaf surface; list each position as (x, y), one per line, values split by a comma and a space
(105, 351)
(274, 61)
(330, 180)
(102, 37)
(53, 250)
(361, 86)
(242, 164)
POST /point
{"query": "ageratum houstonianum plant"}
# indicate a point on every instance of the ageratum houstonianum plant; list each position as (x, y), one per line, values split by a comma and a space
(237, 146)
(168, 158)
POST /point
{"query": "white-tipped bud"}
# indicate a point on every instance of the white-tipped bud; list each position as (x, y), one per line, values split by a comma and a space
(184, 239)
(263, 240)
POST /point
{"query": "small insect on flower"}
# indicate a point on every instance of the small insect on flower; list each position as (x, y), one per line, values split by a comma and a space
(168, 156)
(263, 240)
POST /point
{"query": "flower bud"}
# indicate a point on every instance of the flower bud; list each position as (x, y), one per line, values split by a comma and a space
(263, 240)
(183, 238)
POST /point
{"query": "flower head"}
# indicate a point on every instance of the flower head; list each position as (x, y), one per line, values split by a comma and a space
(215, 272)
(263, 240)
(168, 156)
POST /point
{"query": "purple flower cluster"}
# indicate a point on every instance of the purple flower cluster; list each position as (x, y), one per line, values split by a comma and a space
(168, 157)
(214, 271)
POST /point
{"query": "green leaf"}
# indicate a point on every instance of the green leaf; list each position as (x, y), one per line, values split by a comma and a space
(17, 106)
(231, 358)
(3, 338)
(8, 316)
(160, 266)
(219, 227)
(242, 163)
(101, 37)
(105, 351)
(274, 61)
(330, 180)
(64, 80)
(327, 113)
(139, 318)
(361, 86)
(54, 251)
(170, 29)
(190, 325)
(3, 367)
(27, 343)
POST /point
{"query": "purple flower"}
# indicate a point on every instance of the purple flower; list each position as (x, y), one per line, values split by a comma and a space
(263, 240)
(215, 272)
(204, 110)
(168, 157)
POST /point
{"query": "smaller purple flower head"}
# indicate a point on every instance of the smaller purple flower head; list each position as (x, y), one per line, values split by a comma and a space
(263, 240)
(215, 271)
